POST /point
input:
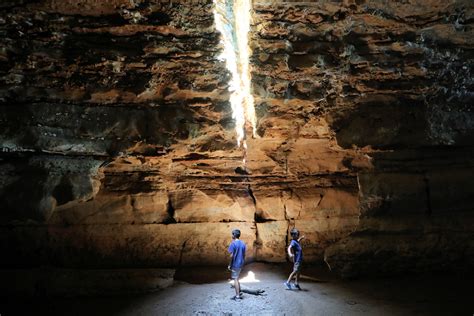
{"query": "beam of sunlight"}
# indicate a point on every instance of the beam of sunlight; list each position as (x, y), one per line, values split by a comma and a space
(232, 19)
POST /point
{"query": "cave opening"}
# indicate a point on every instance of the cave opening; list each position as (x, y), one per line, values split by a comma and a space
(232, 20)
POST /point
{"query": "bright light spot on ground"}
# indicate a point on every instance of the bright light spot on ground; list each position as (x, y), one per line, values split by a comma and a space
(250, 278)
(232, 20)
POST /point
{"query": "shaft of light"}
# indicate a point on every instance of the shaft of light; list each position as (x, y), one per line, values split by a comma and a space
(232, 19)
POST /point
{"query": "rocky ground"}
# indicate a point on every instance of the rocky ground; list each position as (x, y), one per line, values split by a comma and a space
(204, 291)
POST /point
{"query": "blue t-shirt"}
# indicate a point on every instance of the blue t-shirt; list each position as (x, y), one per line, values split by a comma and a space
(297, 250)
(237, 249)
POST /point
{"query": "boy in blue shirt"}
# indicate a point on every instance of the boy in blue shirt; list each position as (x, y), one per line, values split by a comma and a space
(295, 252)
(237, 258)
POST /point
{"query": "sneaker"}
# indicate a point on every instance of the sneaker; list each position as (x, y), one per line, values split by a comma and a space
(288, 285)
(297, 286)
(236, 298)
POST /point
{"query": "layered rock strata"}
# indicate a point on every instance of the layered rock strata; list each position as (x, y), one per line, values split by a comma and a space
(127, 154)
(118, 148)
(391, 81)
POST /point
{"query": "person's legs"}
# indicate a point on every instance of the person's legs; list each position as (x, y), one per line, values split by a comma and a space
(297, 272)
(292, 274)
(237, 287)
(287, 283)
(235, 276)
(297, 277)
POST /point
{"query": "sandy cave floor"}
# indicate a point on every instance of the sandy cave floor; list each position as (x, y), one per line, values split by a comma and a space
(205, 291)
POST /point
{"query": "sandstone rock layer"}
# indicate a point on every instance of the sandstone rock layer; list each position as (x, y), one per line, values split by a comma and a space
(118, 146)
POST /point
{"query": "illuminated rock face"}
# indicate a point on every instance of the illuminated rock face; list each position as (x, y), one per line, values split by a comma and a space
(119, 149)
(386, 80)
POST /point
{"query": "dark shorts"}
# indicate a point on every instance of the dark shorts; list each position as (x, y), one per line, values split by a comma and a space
(234, 273)
(297, 266)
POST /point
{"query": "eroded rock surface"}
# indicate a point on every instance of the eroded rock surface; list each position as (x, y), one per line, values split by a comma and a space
(118, 147)
(393, 82)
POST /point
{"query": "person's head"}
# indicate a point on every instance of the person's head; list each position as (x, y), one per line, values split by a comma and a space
(235, 233)
(295, 233)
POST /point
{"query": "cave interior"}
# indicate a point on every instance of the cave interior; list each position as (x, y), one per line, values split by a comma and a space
(136, 134)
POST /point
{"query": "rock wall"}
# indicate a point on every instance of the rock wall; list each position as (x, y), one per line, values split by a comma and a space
(126, 155)
(118, 148)
(391, 82)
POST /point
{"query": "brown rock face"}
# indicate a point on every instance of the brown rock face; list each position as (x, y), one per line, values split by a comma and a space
(214, 206)
(118, 146)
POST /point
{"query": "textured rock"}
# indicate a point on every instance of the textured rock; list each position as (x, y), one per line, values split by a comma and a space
(271, 241)
(124, 246)
(32, 187)
(356, 63)
(391, 193)
(395, 77)
(270, 205)
(77, 282)
(152, 208)
(117, 146)
(313, 156)
(321, 233)
(321, 203)
(100, 210)
(199, 206)
(416, 210)
(401, 253)
(115, 209)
